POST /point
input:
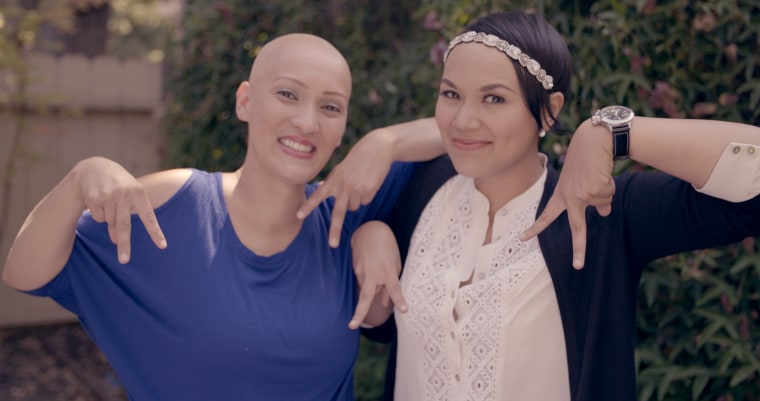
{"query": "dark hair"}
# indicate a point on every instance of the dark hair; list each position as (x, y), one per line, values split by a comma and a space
(539, 40)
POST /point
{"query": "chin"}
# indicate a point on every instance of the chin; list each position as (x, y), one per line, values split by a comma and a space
(467, 167)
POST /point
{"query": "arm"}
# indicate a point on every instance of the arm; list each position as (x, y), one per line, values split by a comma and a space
(377, 265)
(45, 240)
(356, 179)
(687, 149)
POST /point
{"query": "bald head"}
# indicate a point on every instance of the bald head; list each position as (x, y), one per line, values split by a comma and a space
(302, 49)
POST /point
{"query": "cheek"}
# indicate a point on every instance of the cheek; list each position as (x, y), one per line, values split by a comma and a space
(443, 116)
(333, 130)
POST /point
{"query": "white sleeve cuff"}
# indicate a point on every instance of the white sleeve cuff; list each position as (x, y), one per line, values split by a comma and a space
(736, 176)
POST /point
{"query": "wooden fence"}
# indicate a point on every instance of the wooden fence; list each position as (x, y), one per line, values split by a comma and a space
(78, 107)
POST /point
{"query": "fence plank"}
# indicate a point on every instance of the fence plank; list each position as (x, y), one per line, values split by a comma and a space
(102, 106)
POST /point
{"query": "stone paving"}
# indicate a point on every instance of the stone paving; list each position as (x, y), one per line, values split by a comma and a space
(54, 363)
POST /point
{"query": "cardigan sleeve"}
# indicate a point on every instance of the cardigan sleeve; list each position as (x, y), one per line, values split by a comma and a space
(736, 176)
(662, 215)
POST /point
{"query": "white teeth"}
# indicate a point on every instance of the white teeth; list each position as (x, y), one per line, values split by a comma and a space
(295, 145)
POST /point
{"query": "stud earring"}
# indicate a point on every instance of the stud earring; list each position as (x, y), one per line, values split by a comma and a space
(541, 134)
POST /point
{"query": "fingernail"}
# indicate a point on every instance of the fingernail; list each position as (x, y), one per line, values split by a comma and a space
(403, 308)
(577, 263)
(353, 324)
(300, 215)
(123, 257)
(333, 242)
(162, 244)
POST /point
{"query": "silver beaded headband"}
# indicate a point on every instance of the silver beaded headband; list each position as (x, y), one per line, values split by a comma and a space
(514, 52)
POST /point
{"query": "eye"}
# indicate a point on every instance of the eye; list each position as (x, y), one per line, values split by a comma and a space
(493, 99)
(287, 94)
(333, 108)
(450, 94)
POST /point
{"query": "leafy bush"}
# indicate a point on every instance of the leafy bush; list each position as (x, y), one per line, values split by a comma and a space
(221, 39)
(699, 336)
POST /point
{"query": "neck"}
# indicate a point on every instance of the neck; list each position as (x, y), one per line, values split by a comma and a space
(263, 212)
(501, 188)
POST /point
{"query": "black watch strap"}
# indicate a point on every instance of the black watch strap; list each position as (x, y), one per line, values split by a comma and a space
(620, 141)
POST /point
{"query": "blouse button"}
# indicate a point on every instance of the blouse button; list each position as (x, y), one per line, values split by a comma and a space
(737, 149)
(751, 150)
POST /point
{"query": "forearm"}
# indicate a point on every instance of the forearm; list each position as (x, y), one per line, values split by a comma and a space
(44, 243)
(417, 140)
(377, 265)
(687, 149)
(684, 148)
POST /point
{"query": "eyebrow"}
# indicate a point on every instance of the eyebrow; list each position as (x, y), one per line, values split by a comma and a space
(484, 88)
(303, 85)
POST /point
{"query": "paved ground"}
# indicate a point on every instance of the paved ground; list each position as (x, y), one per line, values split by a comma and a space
(60, 363)
(54, 363)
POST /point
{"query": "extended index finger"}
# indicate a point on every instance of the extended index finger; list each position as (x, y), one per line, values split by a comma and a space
(315, 199)
(366, 295)
(336, 221)
(148, 217)
(553, 209)
(576, 215)
(393, 288)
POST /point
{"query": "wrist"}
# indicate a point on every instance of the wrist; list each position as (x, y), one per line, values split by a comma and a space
(596, 136)
(72, 183)
(618, 120)
(386, 141)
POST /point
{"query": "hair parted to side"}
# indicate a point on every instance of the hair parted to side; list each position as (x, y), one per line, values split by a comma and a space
(539, 40)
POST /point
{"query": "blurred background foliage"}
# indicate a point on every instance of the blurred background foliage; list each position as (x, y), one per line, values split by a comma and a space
(699, 315)
(699, 318)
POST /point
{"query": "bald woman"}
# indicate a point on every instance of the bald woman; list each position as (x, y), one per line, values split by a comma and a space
(207, 285)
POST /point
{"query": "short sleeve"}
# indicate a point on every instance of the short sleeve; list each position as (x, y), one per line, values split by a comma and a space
(385, 199)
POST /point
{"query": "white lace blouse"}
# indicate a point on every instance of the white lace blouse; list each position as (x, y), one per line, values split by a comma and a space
(499, 337)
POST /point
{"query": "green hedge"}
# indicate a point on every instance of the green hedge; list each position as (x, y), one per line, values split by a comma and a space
(699, 330)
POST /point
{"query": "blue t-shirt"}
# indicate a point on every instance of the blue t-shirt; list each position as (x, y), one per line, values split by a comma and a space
(207, 319)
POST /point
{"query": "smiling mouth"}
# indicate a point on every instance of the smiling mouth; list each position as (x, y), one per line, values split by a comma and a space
(291, 144)
(469, 144)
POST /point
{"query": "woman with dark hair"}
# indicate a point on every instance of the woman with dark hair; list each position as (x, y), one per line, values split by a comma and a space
(499, 304)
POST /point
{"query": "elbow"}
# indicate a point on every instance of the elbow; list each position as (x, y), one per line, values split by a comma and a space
(13, 278)
(8, 277)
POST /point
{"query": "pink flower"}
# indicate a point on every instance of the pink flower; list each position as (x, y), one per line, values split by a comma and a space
(432, 22)
(437, 51)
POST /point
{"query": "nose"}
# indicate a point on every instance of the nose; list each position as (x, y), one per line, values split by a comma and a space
(467, 117)
(306, 120)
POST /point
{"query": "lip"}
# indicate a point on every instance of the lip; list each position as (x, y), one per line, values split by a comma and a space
(469, 144)
(297, 147)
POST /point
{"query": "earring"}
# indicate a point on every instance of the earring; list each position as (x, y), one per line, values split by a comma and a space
(541, 134)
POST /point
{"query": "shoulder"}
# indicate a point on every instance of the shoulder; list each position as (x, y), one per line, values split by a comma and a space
(162, 185)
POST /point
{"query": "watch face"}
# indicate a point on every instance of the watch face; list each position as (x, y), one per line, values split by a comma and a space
(616, 114)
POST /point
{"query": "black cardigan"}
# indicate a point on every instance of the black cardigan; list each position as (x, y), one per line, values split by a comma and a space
(653, 215)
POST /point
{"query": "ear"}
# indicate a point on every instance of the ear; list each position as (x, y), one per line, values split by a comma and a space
(556, 101)
(242, 97)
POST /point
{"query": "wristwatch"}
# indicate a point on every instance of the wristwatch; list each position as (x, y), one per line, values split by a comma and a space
(618, 119)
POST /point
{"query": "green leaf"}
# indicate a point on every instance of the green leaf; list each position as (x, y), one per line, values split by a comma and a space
(742, 374)
(698, 385)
